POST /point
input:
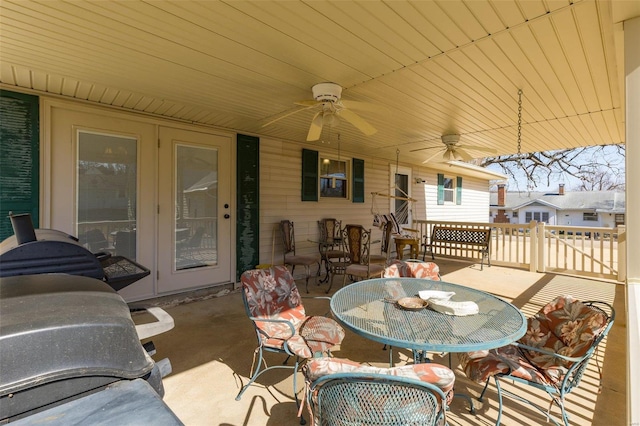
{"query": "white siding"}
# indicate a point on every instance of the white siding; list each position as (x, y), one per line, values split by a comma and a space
(475, 201)
(280, 197)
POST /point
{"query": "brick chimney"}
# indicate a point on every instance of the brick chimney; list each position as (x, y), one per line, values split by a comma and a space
(561, 189)
(501, 195)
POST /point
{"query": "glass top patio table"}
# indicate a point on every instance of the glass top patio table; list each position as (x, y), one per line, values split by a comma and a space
(368, 309)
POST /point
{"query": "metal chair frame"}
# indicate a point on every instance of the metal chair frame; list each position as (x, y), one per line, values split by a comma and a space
(357, 242)
(338, 399)
(256, 370)
(289, 248)
(570, 380)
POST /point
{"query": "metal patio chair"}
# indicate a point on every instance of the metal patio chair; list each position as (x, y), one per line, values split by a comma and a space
(343, 392)
(552, 356)
(273, 303)
(412, 268)
(290, 257)
(383, 257)
(358, 244)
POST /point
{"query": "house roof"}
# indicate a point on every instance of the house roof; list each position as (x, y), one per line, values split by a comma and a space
(597, 201)
(422, 68)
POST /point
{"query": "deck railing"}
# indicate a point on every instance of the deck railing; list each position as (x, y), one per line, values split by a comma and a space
(579, 250)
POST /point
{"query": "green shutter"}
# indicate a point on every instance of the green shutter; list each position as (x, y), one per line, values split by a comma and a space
(19, 159)
(358, 180)
(440, 188)
(247, 203)
(309, 175)
(459, 190)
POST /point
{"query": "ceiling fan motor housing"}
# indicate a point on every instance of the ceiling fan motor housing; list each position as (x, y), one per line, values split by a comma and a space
(327, 92)
(450, 140)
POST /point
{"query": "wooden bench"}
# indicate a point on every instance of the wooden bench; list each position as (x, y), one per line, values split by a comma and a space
(447, 237)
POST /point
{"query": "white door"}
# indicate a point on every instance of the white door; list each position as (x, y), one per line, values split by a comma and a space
(401, 189)
(194, 220)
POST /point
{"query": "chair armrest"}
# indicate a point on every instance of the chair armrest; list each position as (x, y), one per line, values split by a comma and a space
(291, 327)
(550, 353)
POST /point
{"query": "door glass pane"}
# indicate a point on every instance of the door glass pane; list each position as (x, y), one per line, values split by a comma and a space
(106, 187)
(196, 195)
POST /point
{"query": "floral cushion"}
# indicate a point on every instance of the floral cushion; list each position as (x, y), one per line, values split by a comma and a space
(565, 326)
(433, 373)
(399, 268)
(272, 294)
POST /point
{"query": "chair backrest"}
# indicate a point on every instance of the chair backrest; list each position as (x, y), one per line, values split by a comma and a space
(358, 242)
(288, 236)
(570, 328)
(412, 269)
(272, 293)
(95, 240)
(196, 239)
(329, 229)
(341, 391)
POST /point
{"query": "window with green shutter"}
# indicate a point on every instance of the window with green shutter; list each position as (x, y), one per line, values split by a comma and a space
(449, 189)
(309, 175)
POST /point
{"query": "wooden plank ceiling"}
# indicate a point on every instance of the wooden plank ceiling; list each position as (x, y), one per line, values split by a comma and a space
(426, 68)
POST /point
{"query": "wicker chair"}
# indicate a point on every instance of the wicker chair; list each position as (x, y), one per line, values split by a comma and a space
(552, 356)
(343, 392)
(273, 303)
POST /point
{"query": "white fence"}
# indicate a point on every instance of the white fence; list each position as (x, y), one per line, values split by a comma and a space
(589, 251)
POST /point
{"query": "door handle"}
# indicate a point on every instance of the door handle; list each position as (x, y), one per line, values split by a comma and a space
(226, 216)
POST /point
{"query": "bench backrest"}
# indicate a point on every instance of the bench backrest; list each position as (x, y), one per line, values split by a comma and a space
(478, 237)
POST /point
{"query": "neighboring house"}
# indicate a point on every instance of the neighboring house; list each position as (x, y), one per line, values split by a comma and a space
(580, 208)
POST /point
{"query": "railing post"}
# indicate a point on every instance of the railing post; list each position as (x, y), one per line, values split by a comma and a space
(533, 247)
(621, 231)
(542, 247)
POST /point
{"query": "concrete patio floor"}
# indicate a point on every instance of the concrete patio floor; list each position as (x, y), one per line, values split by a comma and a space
(212, 344)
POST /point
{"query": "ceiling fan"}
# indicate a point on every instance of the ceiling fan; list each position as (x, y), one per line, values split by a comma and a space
(452, 151)
(327, 100)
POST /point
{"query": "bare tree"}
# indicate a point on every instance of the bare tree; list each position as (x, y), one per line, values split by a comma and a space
(598, 168)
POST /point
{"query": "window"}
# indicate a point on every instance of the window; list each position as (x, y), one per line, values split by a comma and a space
(333, 175)
(537, 216)
(333, 178)
(514, 213)
(449, 189)
(590, 217)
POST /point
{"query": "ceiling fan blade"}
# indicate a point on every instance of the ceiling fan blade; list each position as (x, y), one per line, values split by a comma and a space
(359, 122)
(427, 147)
(287, 114)
(316, 127)
(432, 156)
(478, 148)
(362, 106)
(308, 102)
(462, 154)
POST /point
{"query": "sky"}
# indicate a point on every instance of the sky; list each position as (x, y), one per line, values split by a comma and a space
(608, 155)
